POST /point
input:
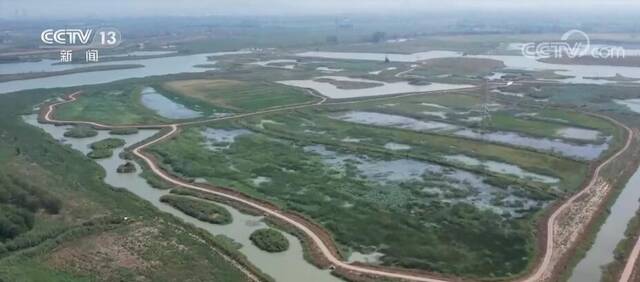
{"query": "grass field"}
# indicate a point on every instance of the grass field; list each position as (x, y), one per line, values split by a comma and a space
(89, 239)
(120, 106)
(239, 96)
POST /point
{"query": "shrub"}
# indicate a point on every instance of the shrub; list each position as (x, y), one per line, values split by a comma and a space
(100, 154)
(123, 131)
(270, 240)
(202, 210)
(109, 143)
(81, 131)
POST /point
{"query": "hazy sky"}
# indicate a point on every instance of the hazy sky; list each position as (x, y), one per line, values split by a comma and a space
(127, 8)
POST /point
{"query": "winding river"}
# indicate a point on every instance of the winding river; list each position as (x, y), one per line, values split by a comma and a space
(288, 266)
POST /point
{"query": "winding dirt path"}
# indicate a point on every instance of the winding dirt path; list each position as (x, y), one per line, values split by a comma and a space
(300, 224)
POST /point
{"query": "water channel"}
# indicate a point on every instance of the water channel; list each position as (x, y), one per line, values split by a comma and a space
(288, 266)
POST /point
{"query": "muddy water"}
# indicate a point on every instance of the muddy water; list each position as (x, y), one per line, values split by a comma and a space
(288, 266)
(611, 232)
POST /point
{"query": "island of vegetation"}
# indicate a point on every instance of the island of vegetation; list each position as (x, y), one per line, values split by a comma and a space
(270, 240)
(100, 154)
(109, 143)
(200, 209)
(81, 131)
(123, 131)
(104, 148)
(127, 167)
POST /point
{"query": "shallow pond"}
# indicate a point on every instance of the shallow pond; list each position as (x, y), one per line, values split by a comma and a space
(380, 119)
(164, 106)
(503, 168)
(632, 104)
(611, 232)
(396, 146)
(558, 146)
(297, 269)
(220, 139)
(578, 133)
(393, 172)
(386, 88)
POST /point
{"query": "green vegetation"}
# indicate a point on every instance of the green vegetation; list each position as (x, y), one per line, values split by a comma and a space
(155, 181)
(123, 131)
(389, 214)
(200, 209)
(393, 216)
(593, 97)
(269, 240)
(86, 237)
(127, 167)
(238, 96)
(81, 131)
(19, 201)
(457, 67)
(424, 146)
(100, 153)
(109, 143)
(458, 108)
(116, 106)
